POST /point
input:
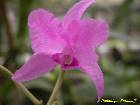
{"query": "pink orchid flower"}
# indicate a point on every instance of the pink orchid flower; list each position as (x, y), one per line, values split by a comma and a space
(70, 42)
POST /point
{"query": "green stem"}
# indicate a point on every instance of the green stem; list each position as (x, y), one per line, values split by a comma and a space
(56, 88)
(5, 70)
(22, 87)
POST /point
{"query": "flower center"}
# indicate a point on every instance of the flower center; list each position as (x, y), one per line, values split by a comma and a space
(67, 59)
(63, 58)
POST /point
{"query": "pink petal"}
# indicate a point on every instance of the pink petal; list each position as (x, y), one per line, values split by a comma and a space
(96, 75)
(97, 31)
(36, 66)
(77, 11)
(72, 32)
(44, 31)
(87, 60)
(93, 32)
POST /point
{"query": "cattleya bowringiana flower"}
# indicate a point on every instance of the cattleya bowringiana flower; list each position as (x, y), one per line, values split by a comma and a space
(70, 42)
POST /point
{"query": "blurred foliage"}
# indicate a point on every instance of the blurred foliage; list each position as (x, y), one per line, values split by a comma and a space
(119, 57)
(123, 10)
(24, 8)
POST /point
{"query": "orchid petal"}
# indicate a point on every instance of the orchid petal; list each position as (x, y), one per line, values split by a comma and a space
(44, 31)
(72, 32)
(87, 60)
(36, 66)
(77, 11)
(96, 31)
(96, 75)
(92, 32)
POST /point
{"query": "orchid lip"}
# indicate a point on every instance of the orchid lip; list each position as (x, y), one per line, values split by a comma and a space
(65, 60)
